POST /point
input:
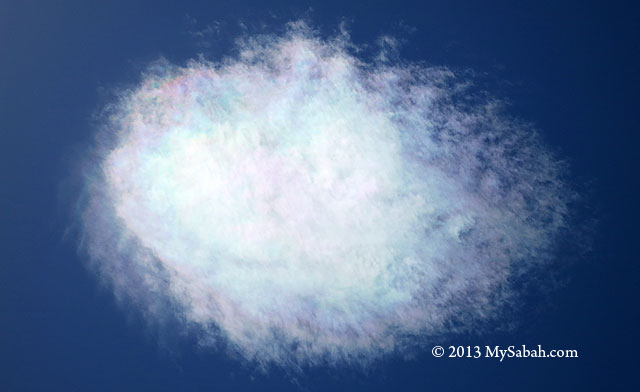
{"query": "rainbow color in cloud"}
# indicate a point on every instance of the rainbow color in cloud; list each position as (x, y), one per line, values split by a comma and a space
(300, 206)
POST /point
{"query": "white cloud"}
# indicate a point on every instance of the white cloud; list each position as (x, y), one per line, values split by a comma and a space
(305, 207)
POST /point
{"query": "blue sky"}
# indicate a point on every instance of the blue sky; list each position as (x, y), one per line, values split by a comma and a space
(570, 68)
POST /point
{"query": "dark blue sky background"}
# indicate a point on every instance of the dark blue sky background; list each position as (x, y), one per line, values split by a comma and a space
(570, 67)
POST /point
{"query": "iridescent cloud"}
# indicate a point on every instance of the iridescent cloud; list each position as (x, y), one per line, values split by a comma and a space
(300, 206)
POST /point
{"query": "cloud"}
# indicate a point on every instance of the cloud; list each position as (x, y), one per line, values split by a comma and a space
(300, 206)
